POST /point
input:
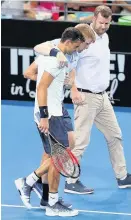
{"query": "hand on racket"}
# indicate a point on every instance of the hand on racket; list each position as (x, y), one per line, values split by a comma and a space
(63, 159)
(44, 125)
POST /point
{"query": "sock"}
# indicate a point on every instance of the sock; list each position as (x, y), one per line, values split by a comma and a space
(31, 179)
(70, 180)
(45, 191)
(123, 177)
(39, 180)
(53, 198)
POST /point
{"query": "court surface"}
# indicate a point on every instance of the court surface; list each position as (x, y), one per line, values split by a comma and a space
(21, 154)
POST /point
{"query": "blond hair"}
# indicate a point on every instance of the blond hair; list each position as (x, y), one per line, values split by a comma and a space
(86, 31)
(104, 10)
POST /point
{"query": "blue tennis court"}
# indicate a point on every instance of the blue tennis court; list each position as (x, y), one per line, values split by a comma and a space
(21, 154)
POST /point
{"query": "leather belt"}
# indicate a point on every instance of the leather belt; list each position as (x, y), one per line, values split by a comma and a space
(88, 91)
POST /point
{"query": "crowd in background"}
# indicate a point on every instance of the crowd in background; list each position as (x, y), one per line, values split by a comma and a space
(81, 11)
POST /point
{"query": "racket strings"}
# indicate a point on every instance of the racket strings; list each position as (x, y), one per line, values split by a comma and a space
(76, 165)
(62, 160)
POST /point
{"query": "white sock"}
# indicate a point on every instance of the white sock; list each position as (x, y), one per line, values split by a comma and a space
(44, 181)
(31, 179)
(70, 180)
(53, 198)
(123, 177)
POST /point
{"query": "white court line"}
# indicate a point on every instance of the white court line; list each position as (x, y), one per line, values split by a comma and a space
(88, 211)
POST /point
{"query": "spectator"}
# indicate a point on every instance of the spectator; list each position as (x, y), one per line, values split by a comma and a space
(124, 9)
(91, 5)
(89, 8)
(17, 8)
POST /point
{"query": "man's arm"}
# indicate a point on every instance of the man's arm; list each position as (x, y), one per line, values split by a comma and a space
(42, 87)
(31, 72)
(46, 48)
(75, 94)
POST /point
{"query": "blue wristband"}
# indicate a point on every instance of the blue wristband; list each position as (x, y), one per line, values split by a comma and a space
(54, 52)
(43, 111)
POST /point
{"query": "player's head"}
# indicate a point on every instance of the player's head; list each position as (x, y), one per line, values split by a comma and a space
(88, 34)
(71, 39)
(102, 18)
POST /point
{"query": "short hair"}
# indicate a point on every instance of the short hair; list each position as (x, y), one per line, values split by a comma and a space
(72, 34)
(104, 10)
(86, 31)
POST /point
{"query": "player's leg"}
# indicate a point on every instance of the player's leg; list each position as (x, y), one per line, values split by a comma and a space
(41, 187)
(57, 129)
(25, 185)
(54, 207)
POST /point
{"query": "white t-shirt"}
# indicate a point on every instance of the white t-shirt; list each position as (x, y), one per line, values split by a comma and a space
(55, 90)
(93, 68)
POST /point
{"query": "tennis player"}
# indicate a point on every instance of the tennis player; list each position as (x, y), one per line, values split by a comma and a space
(48, 117)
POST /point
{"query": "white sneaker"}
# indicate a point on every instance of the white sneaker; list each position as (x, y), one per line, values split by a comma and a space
(44, 203)
(24, 190)
(60, 210)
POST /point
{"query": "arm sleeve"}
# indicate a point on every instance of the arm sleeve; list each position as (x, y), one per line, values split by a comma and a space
(38, 59)
(52, 67)
(48, 64)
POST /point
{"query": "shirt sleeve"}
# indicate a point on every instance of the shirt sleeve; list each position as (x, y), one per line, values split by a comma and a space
(38, 59)
(52, 67)
(48, 64)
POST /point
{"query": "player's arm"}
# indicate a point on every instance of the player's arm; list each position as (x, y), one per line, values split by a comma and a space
(31, 72)
(49, 49)
(44, 48)
(42, 87)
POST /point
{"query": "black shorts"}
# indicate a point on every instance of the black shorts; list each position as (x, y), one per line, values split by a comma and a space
(58, 129)
(67, 120)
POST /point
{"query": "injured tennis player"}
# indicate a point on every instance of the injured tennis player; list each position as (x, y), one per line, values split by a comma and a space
(49, 118)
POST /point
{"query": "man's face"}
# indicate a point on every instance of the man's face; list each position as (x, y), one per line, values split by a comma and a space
(72, 46)
(101, 24)
(84, 45)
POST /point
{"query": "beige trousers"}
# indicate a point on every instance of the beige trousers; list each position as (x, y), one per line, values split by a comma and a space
(98, 109)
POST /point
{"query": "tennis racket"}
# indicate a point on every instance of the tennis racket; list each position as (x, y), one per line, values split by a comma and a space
(63, 159)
